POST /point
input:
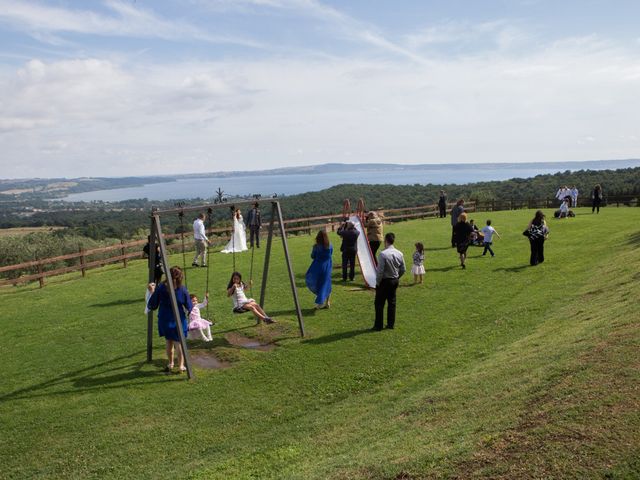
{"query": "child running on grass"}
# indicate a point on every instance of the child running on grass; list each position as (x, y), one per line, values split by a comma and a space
(418, 263)
(488, 232)
(241, 303)
(199, 328)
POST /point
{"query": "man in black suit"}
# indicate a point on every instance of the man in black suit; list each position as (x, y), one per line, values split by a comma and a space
(349, 249)
(442, 204)
(254, 221)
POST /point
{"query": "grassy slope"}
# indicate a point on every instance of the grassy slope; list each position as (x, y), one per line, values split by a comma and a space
(501, 370)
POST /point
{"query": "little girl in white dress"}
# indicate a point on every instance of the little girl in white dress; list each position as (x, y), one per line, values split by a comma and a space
(199, 328)
(241, 303)
(418, 263)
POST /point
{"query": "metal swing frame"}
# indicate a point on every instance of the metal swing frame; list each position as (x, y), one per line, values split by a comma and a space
(157, 238)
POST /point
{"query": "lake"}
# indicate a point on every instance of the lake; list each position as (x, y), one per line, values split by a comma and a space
(289, 184)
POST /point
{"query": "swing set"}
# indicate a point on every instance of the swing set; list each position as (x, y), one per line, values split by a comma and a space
(157, 238)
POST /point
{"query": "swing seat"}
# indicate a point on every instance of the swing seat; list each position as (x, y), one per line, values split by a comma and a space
(239, 310)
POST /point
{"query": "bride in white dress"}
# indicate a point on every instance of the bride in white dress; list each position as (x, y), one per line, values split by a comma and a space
(238, 242)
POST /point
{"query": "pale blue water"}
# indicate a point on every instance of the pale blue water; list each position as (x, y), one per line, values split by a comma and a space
(245, 185)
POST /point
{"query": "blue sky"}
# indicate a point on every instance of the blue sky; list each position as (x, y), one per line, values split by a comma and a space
(129, 87)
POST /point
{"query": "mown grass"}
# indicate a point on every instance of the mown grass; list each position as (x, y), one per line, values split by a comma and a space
(502, 370)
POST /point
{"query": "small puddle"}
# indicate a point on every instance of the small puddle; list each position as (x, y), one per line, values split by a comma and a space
(208, 360)
(239, 340)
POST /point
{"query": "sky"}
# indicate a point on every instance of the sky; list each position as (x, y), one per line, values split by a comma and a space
(147, 87)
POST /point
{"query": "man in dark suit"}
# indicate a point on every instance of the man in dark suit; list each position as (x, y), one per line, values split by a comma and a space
(455, 213)
(442, 204)
(349, 249)
(254, 221)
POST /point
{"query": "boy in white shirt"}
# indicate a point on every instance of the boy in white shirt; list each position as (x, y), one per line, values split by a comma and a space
(489, 231)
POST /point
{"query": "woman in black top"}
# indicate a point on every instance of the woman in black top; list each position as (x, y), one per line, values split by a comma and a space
(596, 196)
(537, 232)
(462, 231)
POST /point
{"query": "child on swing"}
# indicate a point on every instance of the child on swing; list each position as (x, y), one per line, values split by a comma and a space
(241, 303)
(199, 328)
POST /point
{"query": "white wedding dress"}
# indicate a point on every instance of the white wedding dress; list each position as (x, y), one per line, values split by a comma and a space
(238, 242)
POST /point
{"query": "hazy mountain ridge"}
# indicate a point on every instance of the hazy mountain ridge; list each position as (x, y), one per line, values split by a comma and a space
(61, 187)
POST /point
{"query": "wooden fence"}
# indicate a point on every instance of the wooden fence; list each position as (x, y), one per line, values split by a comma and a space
(583, 201)
(82, 260)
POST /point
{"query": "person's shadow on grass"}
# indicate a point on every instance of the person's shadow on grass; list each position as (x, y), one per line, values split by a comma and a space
(511, 269)
(334, 337)
(443, 269)
(117, 303)
(634, 239)
(92, 378)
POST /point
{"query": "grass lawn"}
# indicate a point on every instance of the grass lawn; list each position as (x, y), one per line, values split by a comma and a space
(502, 370)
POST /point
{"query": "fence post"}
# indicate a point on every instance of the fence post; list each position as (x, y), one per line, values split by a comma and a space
(124, 260)
(81, 252)
(40, 271)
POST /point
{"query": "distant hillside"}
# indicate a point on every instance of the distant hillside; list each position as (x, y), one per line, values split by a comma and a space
(623, 181)
(47, 188)
(51, 188)
(99, 220)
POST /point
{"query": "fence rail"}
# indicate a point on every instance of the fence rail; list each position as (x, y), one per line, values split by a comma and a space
(584, 201)
(83, 260)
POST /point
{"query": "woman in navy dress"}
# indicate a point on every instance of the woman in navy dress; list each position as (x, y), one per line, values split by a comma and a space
(167, 328)
(318, 277)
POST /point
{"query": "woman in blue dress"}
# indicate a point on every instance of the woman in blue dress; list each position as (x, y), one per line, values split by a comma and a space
(318, 277)
(161, 299)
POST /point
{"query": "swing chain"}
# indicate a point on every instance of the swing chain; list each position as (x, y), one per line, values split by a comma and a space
(233, 236)
(184, 258)
(209, 222)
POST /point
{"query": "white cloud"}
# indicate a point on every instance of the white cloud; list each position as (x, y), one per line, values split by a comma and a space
(127, 20)
(499, 34)
(336, 21)
(97, 116)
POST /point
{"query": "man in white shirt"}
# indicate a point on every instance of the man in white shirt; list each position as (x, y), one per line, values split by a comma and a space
(574, 196)
(201, 241)
(488, 232)
(390, 268)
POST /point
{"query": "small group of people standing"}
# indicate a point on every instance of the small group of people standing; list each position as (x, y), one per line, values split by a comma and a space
(238, 241)
(568, 193)
(390, 266)
(318, 276)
